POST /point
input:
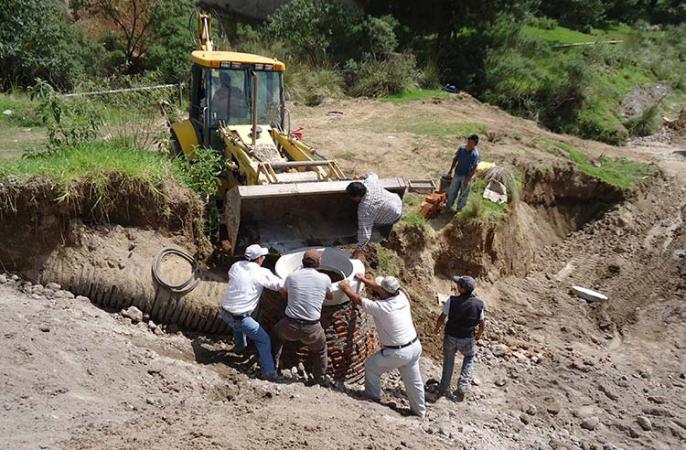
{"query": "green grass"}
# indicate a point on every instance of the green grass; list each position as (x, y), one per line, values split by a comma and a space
(619, 172)
(480, 210)
(559, 35)
(389, 262)
(93, 162)
(563, 35)
(417, 94)
(425, 127)
(24, 112)
(411, 216)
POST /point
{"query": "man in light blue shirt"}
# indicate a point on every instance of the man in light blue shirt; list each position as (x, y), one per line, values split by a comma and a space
(464, 164)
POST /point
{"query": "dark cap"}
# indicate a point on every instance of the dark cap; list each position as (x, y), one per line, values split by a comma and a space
(466, 282)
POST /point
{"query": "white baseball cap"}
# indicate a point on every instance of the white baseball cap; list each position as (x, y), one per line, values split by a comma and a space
(255, 251)
(388, 284)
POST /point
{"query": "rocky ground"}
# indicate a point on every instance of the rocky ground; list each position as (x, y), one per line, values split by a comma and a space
(553, 372)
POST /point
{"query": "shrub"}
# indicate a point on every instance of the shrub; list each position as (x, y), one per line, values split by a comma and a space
(645, 123)
(36, 42)
(312, 86)
(316, 30)
(201, 173)
(390, 76)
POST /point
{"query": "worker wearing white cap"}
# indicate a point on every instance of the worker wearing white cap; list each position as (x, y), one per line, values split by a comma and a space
(247, 279)
(401, 347)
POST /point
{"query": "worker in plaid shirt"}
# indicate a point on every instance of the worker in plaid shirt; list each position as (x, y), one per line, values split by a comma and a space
(377, 206)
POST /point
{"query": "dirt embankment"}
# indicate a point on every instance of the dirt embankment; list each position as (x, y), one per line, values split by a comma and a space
(101, 241)
(38, 216)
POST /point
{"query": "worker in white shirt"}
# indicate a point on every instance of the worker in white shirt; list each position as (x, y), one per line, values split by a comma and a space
(305, 290)
(376, 207)
(247, 279)
(401, 347)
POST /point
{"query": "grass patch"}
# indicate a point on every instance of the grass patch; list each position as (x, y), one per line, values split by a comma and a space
(480, 210)
(411, 216)
(389, 262)
(558, 35)
(433, 128)
(619, 172)
(92, 162)
(22, 111)
(411, 95)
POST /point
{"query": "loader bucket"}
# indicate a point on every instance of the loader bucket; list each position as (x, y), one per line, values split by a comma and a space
(285, 217)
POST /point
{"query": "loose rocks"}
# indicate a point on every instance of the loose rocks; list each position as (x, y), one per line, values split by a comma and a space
(133, 313)
(590, 423)
(644, 423)
(53, 286)
(500, 350)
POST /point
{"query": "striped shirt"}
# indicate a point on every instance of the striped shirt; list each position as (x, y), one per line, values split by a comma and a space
(378, 207)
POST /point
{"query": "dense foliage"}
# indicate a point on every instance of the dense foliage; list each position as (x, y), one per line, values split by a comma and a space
(510, 53)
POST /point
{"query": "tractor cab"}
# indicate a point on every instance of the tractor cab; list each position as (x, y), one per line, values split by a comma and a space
(223, 87)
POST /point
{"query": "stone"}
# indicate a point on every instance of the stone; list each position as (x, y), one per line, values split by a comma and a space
(552, 406)
(607, 391)
(644, 423)
(14, 277)
(151, 325)
(633, 432)
(53, 286)
(3, 279)
(500, 350)
(44, 328)
(500, 382)
(657, 399)
(158, 331)
(133, 313)
(590, 423)
(68, 295)
(476, 381)
(525, 419)
(531, 410)
(82, 298)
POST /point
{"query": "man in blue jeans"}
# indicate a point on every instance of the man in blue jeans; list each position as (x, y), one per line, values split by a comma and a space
(464, 164)
(247, 279)
(465, 326)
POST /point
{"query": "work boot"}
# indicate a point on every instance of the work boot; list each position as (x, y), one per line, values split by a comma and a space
(323, 381)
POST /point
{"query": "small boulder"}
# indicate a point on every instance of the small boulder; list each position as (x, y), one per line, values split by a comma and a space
(644, 423)
(82, 298)
(133, 313)
(53, 286)
(531, 410)
(590, 423)
(3, 279)
(500, 350)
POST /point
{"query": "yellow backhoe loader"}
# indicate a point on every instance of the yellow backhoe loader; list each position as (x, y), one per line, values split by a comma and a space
(276, 190)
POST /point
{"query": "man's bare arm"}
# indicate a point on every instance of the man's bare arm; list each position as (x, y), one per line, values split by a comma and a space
(439, 323)
(480, 330)
(352, 295)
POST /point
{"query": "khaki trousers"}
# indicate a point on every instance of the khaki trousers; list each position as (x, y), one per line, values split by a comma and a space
(311, 335)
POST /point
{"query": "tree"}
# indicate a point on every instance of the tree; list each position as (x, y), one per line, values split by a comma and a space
(129, 21)
(36, 42)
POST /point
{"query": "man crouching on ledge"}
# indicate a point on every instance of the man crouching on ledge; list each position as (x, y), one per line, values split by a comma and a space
(401, 347)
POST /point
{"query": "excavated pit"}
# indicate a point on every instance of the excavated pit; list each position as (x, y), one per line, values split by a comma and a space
(554, 202)
(350, 336)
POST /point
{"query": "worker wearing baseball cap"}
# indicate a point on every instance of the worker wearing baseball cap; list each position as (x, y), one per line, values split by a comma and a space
(398, 336)
(305, 290)
(247, 279)
(465, 326)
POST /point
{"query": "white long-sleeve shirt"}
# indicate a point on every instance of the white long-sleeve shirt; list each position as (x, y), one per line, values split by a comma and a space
(378, 207)
(393, 319)
(247, 280)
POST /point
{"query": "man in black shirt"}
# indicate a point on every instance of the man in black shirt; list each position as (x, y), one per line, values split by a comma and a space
(465, 326)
